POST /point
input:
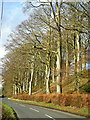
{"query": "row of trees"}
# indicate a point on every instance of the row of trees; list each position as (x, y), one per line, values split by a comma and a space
(47, 47)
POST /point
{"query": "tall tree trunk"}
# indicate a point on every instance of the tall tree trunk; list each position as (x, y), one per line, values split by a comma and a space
(59, 51)
(30, 83)
(47, 80)
(67, 58)
(53, 74)
(51, 55)
(78, 61)
(23, 86)
(27, 80)
(75, 58)
(20, 89)
(35, 84)
(48, 73)
(30, 87)
(78, 52)
(59, 65)
(75, 61)
(84, 59)
(13, 90)
(57, 19)
(15, 87)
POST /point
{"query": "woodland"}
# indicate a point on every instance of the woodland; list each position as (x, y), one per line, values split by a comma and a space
(49, 52)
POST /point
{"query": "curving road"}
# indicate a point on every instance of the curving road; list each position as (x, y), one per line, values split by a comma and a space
(32, 112)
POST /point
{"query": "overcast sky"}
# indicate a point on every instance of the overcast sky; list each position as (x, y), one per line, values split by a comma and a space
(12, 16)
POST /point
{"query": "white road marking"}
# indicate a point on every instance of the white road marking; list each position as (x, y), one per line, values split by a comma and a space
(66, 113)
(22, 105)
(34, 109)
(49, 116)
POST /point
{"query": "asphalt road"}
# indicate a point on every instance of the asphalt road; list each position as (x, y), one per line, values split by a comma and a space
(32, 112)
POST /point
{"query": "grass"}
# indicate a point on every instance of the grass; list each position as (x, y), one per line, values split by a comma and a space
(8, 113)
(79, 111)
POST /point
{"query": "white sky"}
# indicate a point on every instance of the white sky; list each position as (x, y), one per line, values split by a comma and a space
(2, 52)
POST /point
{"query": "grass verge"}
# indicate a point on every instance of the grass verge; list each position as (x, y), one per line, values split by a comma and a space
(78, 111)
(8, 113)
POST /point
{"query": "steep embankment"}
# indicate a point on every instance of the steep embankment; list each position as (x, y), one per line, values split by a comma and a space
(69, 84)
(8, 113)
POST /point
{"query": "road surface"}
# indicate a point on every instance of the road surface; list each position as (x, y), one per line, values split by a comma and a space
(32, 112)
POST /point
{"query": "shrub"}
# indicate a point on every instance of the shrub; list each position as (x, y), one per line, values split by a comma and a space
(46, 98)
(77, 100)
(85, 100)
(39, 98)
(31, 97)
(25, 97)
(55, 98)
(65, 99)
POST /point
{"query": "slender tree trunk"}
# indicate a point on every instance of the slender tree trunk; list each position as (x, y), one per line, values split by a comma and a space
(27, 80)
(53, 78)
(59, 51)
(51, 57)
(47, 80)
(75, 61)
(78, 52)
(67, 58)
(84, 59)
(57, 19)
(35, 79)
(30, 83)
(75, 58)
(30, 87)
(48, 73)
(78, 61)
(15, 87)
(23, 86)
(58, 67)
(13, 90)
(20, 90)
(19, 80)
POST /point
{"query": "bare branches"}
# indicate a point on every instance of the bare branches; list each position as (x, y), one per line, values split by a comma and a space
(51, 39)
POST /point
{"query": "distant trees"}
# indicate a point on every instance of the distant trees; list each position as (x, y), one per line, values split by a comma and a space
(46, 48)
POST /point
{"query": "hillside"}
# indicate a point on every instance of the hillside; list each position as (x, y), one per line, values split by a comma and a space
(69, 84)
